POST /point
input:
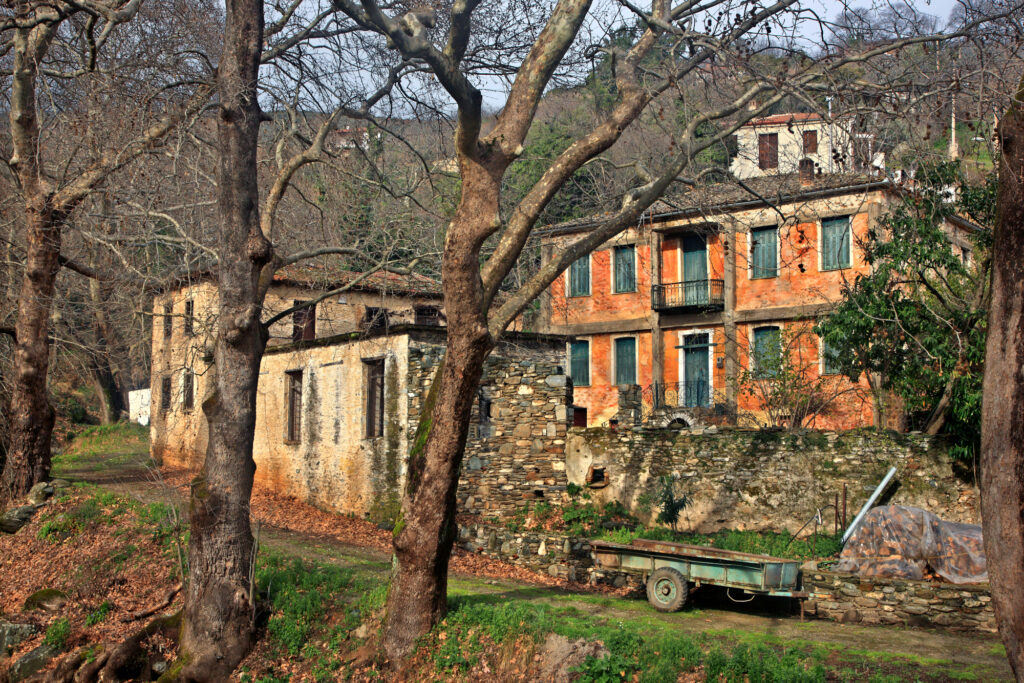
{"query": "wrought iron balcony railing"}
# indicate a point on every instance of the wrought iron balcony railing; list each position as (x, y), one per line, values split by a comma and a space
(707, 295)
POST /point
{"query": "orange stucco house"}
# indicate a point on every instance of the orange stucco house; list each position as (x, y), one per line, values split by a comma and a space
(685, 304)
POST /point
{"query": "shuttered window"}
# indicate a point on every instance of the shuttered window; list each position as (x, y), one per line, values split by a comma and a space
(168, 320)
(764, 243)
(188, 390)
(625, 360)
(829, 359)
(810, 142)
(767, 355)
(835, 243)
(374, 397)
(579, 362)
(625, 269)
(579, 277)
(768, 150)
(293, 426)
(303, 322)
(190, 310)
(165, 394)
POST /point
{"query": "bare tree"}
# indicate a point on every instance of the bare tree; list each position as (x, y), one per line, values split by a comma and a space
(1002, 439)
(54, 45)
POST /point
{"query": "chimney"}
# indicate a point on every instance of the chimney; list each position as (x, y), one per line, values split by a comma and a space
(806, 172)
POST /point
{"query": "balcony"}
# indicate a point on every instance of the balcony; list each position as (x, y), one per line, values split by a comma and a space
(695, 295)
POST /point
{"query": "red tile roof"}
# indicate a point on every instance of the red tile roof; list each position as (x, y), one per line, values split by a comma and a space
(779, 119)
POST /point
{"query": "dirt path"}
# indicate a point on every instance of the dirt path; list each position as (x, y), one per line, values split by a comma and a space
(965, 656)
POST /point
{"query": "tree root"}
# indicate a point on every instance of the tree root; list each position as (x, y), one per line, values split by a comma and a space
(126, 661)
(153, 610)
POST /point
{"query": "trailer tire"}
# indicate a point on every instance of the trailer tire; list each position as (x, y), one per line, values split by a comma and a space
(667, 590)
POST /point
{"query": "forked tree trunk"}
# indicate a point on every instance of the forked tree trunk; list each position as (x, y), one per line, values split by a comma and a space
(31, 420)
(1002, 423)
(417, 598)
(218, 612)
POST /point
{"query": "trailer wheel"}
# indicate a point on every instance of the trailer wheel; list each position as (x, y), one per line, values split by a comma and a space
(667, 590)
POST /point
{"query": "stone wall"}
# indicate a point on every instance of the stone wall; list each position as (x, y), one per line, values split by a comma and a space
(898, 601)
(514, 454)
(554, 554)
(741, 479)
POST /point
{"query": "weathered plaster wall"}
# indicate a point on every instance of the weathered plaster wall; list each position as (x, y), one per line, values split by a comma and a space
(334, 465)
(739, 479)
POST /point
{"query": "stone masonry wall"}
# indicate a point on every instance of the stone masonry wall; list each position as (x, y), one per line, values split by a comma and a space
(741, 479)
(898, 601)
(515, 450)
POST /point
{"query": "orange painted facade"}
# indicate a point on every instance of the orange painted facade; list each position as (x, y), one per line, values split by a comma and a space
(717, 314)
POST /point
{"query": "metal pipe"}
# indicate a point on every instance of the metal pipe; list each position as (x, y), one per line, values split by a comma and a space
(868, 503)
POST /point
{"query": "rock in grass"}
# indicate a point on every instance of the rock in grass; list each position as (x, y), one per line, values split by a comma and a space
(12, 635)
(40, 493)
(49, 599)
(15, 518)
(32, 662)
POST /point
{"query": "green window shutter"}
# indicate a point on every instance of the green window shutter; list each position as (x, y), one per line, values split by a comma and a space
(829, 360)
(763, 252)
(625, 360)
(625, 269)
(835, 243)
(579, 363)
(767, 354)
(579, 277)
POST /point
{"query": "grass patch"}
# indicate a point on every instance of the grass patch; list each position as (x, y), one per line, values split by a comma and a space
(99, 614)
(58, 632)
(101, 447)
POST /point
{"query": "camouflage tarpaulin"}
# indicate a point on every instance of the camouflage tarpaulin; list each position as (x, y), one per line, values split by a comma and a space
(904, 542)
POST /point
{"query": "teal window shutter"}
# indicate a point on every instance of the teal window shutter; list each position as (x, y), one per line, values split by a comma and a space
(829, 359)
(625, 360)
(764, 252)
(579, 277)
(579, 362)
(625, 269)
(835, 243)
(767, 354)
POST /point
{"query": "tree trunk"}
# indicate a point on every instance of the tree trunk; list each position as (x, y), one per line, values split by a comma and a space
(218, 612)
(105, 371)
(31, 419)
(1002, 427)
(417, 598)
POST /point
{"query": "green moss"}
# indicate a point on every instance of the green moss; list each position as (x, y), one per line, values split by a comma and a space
(417, 457)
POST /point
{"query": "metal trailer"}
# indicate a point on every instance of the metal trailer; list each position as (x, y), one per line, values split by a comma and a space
(672, 571)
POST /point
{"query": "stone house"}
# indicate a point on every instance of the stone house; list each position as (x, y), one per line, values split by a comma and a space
(682, 305)
(340, 393)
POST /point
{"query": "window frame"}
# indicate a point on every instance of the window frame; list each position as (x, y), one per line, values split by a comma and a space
(569, 292)
(166, 394)
(615, 360)
(765, 161)
(168, 321)
(294, 387)
(822, 268)
(823, 360)
(614, 265)
(373, 399)
(757, 372)
(380, 320)
(750, 252)
(306, 331)
(803, 141)
(188, 322)
(590, 368)
(188, 390)
(422, 313)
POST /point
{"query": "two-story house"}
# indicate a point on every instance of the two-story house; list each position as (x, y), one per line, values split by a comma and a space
(711, 283)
